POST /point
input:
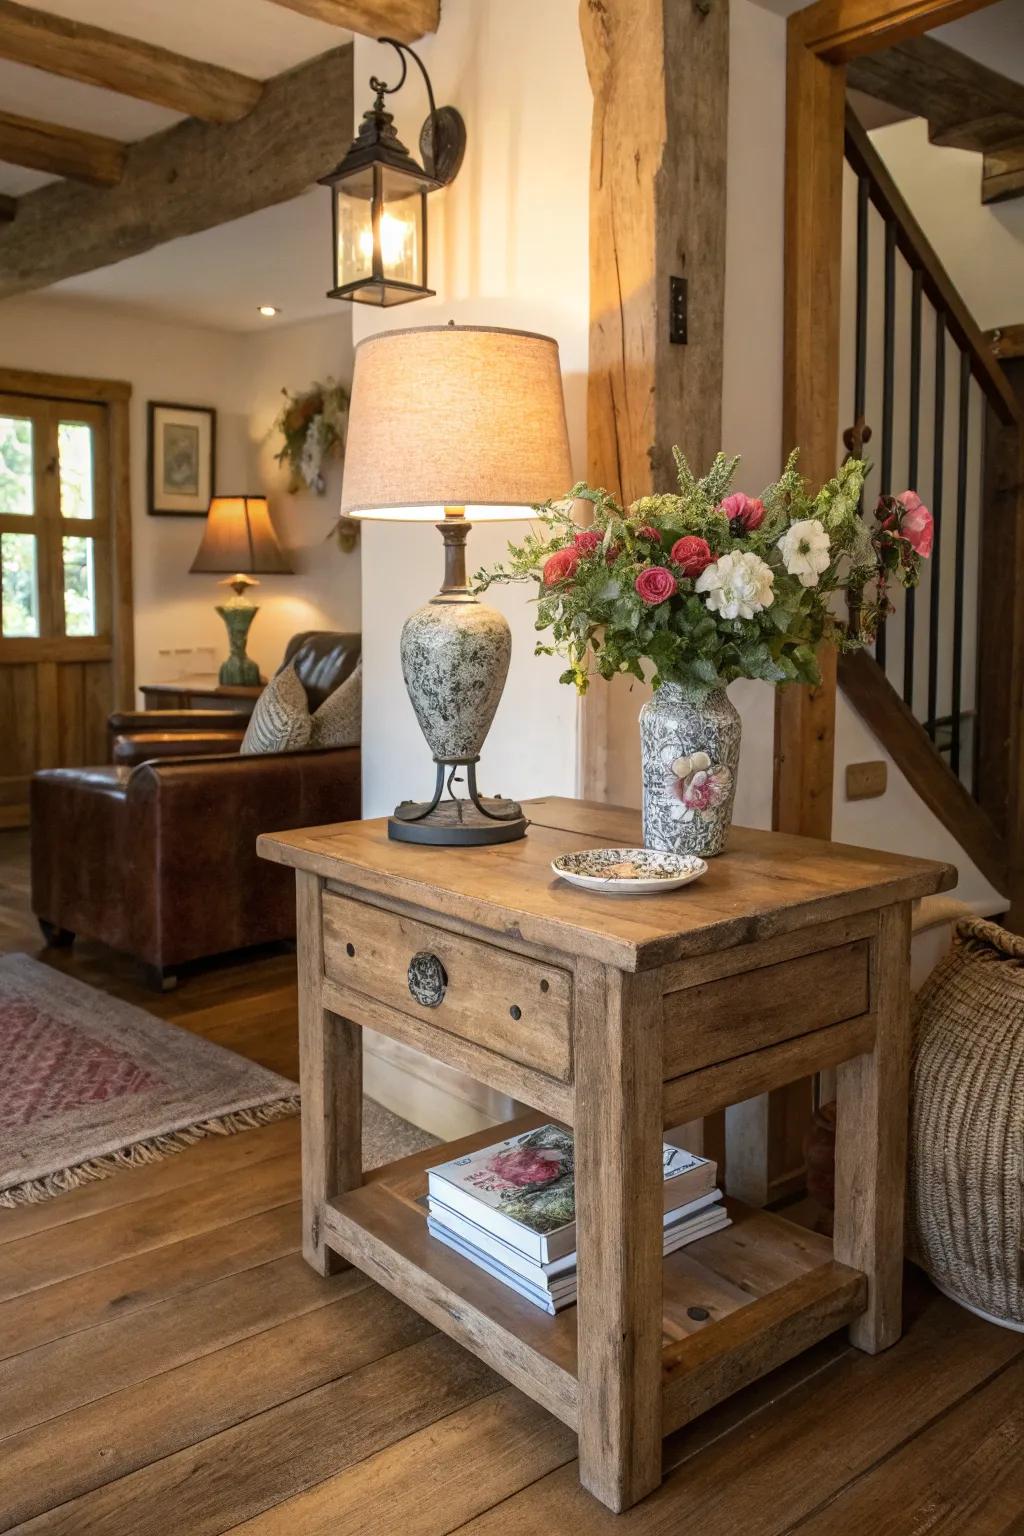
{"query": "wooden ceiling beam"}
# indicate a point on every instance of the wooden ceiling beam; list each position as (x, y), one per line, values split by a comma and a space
(1002, 174)
(78, 51)
(61, 151)
(407, 20)
(191, 177)
(8, 208)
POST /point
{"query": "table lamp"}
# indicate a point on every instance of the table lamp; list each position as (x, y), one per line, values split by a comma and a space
(453, 424)
(239, 539)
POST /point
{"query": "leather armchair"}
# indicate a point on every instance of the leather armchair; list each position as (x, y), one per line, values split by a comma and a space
(155, 853)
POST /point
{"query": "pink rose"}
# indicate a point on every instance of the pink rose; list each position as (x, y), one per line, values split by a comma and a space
(561, 566)
(655, 584)
(647, 532)
(587, 541)
(917, 524)
(691, 554)
(522, 1166)
(745, 510)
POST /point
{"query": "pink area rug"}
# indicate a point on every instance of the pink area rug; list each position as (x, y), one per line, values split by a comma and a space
(90, 1084)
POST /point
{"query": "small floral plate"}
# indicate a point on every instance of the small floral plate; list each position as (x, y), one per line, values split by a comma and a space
(628, 871)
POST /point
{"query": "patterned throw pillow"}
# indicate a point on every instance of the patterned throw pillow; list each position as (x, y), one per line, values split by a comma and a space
(280, 722)
(338, 721)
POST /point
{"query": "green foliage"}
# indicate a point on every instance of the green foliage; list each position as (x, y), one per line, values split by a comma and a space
(594, 616)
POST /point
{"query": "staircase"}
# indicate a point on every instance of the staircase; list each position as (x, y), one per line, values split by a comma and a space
(936, 412)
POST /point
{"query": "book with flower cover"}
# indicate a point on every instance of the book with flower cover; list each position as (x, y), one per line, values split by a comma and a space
(523, 1189)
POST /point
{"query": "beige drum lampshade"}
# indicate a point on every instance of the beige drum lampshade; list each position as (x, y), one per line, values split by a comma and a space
(455, 415)
(239, 536)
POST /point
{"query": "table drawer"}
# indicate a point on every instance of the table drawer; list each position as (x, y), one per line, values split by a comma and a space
(519, 1007)
(732, 1015)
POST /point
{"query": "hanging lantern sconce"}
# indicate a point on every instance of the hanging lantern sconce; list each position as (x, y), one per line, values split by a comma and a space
(379, 197)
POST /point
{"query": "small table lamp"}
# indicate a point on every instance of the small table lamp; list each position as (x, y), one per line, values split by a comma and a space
(239, 539)
(455, 422)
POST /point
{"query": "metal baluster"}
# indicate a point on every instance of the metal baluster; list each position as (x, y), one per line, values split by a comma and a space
(912, 455)
(936, 510)
(888, 359)
(860, 365)
(958, 566)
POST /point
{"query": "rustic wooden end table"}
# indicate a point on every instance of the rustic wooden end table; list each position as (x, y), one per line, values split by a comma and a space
(619, 1017)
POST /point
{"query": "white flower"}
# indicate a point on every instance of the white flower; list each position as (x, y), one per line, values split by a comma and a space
(805, 551)
(737, 586)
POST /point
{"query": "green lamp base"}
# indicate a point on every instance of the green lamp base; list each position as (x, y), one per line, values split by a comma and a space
(238, 671)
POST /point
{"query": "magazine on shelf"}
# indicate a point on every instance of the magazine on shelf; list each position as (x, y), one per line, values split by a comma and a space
(504, 1253)
(561, 1291)
(523, 1189)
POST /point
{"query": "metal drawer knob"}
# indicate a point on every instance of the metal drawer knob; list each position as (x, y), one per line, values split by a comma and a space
(428, 979)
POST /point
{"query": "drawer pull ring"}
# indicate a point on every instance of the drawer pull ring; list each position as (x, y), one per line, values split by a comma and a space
(428, 979)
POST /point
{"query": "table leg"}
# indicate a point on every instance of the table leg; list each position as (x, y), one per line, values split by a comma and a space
(872, 1093)
(618, 1138)
(331, 1081)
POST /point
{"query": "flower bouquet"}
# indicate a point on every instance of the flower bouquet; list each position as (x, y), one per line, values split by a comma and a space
(694, 588)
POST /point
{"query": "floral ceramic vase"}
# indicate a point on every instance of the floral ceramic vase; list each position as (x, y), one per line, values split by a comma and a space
(690, 752)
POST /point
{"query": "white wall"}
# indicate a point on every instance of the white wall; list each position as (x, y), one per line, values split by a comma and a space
(508, 247)
(241, 375)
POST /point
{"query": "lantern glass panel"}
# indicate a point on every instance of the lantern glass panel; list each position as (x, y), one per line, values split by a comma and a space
(354, 229)
(402, 228)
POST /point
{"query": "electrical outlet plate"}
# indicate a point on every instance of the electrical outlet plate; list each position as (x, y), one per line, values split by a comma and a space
(866, 781)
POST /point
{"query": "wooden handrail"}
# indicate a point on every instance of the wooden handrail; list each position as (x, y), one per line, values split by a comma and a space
(910, 239)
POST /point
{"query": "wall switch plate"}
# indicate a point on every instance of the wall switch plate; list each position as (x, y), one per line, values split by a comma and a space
(866, 781)
(677, 311)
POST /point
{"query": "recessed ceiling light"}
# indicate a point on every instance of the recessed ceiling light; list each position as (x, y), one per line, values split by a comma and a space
(269, 311)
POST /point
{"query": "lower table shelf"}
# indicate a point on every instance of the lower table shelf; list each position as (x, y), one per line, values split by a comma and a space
(735, 1304)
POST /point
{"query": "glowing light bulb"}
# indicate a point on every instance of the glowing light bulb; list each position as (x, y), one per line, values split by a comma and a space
(268, 311)
(394, 237)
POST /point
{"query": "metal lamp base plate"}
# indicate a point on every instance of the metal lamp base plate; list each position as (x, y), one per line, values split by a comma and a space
(457, 823)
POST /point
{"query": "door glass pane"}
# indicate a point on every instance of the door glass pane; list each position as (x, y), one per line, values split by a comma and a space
(19, 602)
(79, 585)
(16, 466)
(74, 448)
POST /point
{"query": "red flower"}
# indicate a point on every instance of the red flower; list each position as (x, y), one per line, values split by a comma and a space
(745, 510)
(655, 584)
(561, 566)
(587, 541)
(917, 524)
(691, 554)
(647, 532)
(612, 553)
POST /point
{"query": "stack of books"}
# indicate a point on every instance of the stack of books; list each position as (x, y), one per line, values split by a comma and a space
(511, 1209)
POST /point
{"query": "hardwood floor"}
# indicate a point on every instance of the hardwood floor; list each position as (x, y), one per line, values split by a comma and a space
(170, 1367)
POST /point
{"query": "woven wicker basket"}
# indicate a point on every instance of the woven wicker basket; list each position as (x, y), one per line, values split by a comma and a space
(967, 1123)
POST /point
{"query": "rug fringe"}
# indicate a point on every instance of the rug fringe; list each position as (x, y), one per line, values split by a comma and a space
(151, 1150)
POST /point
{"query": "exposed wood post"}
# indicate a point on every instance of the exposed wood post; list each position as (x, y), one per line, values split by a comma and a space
(331, 1081)
(617, 1032)
(659, 71)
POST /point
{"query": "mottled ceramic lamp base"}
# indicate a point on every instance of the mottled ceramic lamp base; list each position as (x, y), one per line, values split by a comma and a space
(455, 655)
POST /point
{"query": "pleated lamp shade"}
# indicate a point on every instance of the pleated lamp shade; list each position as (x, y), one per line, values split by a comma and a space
(455, 416)
(239, 538)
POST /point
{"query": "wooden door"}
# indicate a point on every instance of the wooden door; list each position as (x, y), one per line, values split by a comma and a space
(58, 680)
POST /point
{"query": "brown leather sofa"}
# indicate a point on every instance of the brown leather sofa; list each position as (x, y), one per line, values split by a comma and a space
(155, 854)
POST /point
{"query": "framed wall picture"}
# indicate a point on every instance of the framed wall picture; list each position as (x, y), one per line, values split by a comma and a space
(181, 458)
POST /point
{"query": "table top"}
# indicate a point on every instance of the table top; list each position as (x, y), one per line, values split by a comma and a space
(764, 884)
(205, 682)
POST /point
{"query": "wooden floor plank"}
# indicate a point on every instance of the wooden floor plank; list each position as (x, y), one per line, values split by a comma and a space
(792, 1455)
(434, 1479)
(217, 1155)
(32, 1262)
(242, 1471)
(94, 1297)
(964, 1474)
(41, 1383)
